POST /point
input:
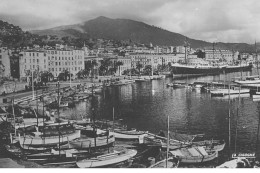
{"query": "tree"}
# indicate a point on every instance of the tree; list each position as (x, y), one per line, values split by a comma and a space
(117, 66)
(105, 65)
(139, 67)
(46, 76)
(65, 75)
(148, 70)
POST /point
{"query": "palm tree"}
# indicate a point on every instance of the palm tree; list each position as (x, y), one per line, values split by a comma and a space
(148, 70)
(104, 67)
(139, 66)
(93, 65)
(117, 66)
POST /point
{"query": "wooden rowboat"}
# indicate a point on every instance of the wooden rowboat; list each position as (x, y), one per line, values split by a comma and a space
(107, 159)
(194, 155)
(131, 134)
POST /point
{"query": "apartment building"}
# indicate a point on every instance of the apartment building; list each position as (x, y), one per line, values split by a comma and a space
(61, 60)
(5, 69)
(217, 55)
(32, 60)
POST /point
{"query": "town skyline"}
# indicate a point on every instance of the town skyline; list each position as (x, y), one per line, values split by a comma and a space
(212, 20)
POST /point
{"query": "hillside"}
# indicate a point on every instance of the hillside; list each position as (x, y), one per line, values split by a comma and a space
(11, 35)
(125, 29)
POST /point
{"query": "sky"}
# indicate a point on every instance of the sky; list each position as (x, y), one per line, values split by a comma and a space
(233, 21)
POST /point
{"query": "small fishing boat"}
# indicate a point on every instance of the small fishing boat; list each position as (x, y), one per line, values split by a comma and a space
(234, 90)
(194, 155)
(177, 85)
(48, 135)
(90, 140)
(236, 163)
(107, 159)
(58, 157)
(141, 79)
(171, 163)
(64, 104)
(128, 134)
(248, 81)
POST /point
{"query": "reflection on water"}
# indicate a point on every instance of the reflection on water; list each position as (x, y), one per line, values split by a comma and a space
(145, 106)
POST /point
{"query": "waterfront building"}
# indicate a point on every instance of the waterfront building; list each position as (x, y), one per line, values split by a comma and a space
(5, 69)
(32, 60)
(71, 60)
(218, 55)
(127, 65)
(153, 59)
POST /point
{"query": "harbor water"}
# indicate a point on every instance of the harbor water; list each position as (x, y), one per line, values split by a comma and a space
(146, 105)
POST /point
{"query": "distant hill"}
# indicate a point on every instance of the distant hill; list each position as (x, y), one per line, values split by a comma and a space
(125, 29)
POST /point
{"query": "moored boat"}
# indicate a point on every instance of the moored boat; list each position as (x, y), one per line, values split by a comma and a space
(171, 163)
(248, 81)
(233, 90)
(194, 70)
(48, 135)
(128, 134)
(107, 159)
(194, 155)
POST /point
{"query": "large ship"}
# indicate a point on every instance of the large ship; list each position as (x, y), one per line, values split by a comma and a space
(194, 70)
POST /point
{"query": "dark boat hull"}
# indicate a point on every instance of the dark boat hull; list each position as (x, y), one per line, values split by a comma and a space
(193, 71)
(231, 69)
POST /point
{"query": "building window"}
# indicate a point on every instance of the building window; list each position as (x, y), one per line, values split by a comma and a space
(59, 63)
(38, 61)
(24, 59)
(56, 63)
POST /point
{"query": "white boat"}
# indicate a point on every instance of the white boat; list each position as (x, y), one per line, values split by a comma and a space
(171, 163)
(48, 135)
(87, 142)
(248, 81)
(64, 104)
(107, 159)
(235, 163)
(128, 134)
(141, 79)
(234, 90)
(194, 155)
(177, 85)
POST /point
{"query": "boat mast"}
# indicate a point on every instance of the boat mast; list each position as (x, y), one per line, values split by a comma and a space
(58, 100)
(256, 59)
(13, 109)
(229, 131)
(43, 113)
(37, 107)
(168, 136)
(94, 118)
(237, 119)
(257, 138)
(185, 45)
(32, 86)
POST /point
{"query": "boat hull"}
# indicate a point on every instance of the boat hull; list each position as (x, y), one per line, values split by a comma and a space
(84, 143)
(194, 71)
(106, 160)
(29, 141)
(119, 135)
(231, 69)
